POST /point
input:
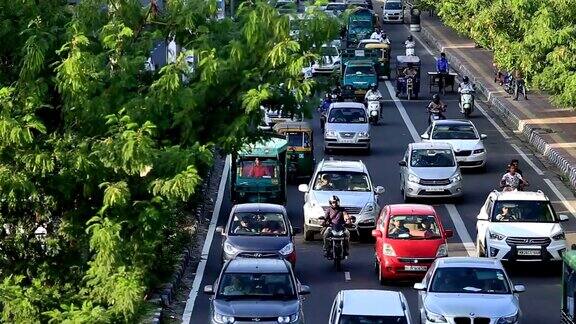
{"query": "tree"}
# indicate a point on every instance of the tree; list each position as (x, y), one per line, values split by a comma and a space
(106, 155)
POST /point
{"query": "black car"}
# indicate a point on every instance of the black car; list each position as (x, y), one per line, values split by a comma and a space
(258, 230)
(256, 290)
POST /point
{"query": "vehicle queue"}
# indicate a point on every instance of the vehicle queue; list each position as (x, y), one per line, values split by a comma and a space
(341, 201)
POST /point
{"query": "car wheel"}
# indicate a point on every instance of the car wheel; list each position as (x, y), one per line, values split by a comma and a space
(308, 235)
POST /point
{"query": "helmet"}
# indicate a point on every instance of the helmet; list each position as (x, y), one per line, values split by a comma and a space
(327, 96)
(334, 200)
(442, 54)
(436, 98)
(374, 86)
(410, 38)
(465, 79)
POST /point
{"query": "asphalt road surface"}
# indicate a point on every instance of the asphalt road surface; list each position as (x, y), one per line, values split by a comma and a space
(540, 303)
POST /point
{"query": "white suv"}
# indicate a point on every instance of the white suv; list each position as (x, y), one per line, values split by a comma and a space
(350, 181)
(520, 226)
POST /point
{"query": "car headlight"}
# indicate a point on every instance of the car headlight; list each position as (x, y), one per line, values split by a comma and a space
(363, 134)
(413, 178)
(288, 319)
(223, 319)
(229, 248)
(442, 251)
(286, 250)
(455, 178)
(510, 319)
(388, 250)
(435, 318)
(478, 151)
(559, 237)
(330, 134)
(496, 236)
(369, 207)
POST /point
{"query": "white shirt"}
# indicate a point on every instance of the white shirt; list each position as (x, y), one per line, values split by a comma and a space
(372, 93)
(375, 35)
(512, 180)
(410, 44)
(465, 87)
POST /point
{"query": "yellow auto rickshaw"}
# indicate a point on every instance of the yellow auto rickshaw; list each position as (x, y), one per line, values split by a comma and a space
(300, 154)
(383, 64)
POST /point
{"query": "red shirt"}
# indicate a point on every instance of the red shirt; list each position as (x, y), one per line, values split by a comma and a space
(259, 171)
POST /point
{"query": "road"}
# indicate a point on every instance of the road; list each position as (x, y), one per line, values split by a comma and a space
(540, 303)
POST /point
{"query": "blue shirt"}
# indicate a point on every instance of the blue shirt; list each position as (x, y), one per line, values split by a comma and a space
(442, 65)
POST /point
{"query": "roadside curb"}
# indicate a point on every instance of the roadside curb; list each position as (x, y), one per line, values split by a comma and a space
(502, 109)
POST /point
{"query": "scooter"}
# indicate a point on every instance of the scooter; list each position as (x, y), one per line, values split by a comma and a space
(374, 110)
(466, 103)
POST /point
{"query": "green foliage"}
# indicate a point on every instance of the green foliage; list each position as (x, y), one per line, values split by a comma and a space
(106, 155)
(534, 36)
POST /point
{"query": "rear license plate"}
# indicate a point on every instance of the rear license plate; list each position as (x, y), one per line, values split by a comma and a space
(415, 268)
(347, 141)
(529, 252)
(435, 189)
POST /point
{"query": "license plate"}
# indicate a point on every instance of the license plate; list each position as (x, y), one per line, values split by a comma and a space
(347, 141)
(415, 268)
(528, 252)
(435, 189)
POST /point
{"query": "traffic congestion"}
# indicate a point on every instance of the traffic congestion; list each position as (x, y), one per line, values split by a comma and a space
(401, 201)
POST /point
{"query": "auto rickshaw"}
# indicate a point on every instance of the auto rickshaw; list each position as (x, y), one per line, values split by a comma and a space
(408, 76)
(568, 305)
(258, 172)
(300, 155)
(383, 65)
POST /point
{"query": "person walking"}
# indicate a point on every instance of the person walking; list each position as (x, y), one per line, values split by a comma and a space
(519, 84)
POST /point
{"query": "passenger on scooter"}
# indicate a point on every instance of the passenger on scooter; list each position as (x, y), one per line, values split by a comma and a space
(336, 217)
(516, 164)
(512, 180)
(437, 107)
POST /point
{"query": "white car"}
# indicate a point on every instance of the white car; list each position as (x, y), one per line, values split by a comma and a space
(464, 138)
(520, 226)
(369, 306)
(468, 290)
(329, 59)
(351, 182)
(393, 11)
(347, 127)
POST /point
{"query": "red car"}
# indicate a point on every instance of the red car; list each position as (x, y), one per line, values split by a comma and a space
(409, 237)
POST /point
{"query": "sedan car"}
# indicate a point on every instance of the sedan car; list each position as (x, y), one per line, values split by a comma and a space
(258, 230)
(464, 138)
(468, 290)
(330, 59)
(430, 170)
(409, 238)
(256, 290)
(369, 306)
(335, 9)
(347, 127)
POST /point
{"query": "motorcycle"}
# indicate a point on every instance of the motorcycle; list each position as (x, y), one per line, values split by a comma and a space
(337, 241)
(374, 111)
(466, 103)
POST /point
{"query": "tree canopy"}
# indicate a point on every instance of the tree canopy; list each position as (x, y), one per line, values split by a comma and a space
(104, 155)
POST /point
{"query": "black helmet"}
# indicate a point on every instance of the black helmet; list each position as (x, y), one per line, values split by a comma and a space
(436, 98)
(410, 38)
(334, 200)
(442, 54)
(465, 79)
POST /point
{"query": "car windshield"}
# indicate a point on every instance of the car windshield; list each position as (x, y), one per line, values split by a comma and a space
(414, 227)
(336, 6)
(393, 5)
(258, 168)
(329, 51)
(258, 224)
(342, 181)
(367, 319)
(449, 132)
(299, 139)
(360, 69)
(431, 158)
(347, 116)
(469, 281)
(524, 211)
(360, 24)
(256, 286)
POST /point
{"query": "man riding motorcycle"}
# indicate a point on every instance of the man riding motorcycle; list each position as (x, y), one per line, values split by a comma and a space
(410, 46)
(335, 219)
(512, 180)
(436, 106)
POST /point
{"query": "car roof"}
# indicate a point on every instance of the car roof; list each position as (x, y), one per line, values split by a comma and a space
(257, 265)
(468, 262)
(372, 302)
(347, 104)
(411, 209)
(258, 207)
(430, 145)
(341, 165)
(520, 195)
(453, 122)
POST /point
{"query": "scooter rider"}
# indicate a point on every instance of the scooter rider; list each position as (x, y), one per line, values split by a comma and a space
(436, 106)
(512, 180)
(376, 35)
(410, 46)
(465, 86)
(335, 218)
(373, 91)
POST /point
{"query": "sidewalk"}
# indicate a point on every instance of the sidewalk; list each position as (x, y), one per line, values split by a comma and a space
(551, 130)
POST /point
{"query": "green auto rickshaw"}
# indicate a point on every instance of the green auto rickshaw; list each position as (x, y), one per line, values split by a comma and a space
(568, 308)
(300, 154)
(258, 173)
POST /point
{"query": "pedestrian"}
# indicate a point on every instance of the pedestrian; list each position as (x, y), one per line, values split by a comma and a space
(519, 84)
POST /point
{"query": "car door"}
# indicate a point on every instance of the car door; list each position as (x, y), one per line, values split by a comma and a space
(403, 169)
(380, 225)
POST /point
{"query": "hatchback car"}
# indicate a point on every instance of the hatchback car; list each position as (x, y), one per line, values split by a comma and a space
(409, 238)
(429, 170)
(347, 127)
(370, 306)
(351, 182)
(393, 11)
(464, 138)
(329, 59)
(256, 290)
(468, 290)
(258, 230)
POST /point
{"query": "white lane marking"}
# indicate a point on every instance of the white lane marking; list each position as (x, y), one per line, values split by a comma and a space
(347, 276)
(525, 157)
(207, 244)
(461, 229)
(492, 121)
(561, 197)
(403, 113)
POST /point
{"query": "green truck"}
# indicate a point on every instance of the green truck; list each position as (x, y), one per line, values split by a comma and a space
(358, 72)
(361, 23)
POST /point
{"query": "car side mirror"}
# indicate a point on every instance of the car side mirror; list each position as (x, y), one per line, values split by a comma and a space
(519, 288)
(483, 136)
(419, 286)
(449, 233)
(424, 136)
(377, 233)
(220, 229)
(564, 218)
(379, 190)
(402, 163)
(209, 290)
(304, 290)
(303, 188)
(296, 230)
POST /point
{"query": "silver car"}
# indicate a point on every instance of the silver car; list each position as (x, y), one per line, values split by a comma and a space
(347, 127)
(468, 290)
(430, 170)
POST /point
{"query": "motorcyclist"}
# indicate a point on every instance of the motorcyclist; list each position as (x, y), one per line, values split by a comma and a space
(410, 45)
(326, 102)
(384, 38)
(436, 106)
(335, 218)
(376, 35)
(337, 91)
(512, 180)
(465, 86)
